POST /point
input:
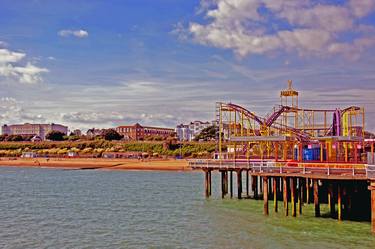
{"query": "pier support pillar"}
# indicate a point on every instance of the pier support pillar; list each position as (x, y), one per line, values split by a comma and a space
(207, 183)
(226, 182)
(274, 188)
(293, 195)
(239, 184)
(316, 198)
(222, 184)
(285, 195)
(254, 182)
(247, 183)
(265, 195)
(372, 189)
(231, 184)
(339, 202)
(300, 195)
(307, 190)
(331, 200)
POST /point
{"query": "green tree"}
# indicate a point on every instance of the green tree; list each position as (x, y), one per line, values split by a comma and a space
(55, 136)
(111, 134)
(14, 138)
(206, 134)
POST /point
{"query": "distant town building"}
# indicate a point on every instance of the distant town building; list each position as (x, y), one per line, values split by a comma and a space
(40, 130)
(184, 133)
(94, 132)
(139, 132)
(187, 132)
(77, 132)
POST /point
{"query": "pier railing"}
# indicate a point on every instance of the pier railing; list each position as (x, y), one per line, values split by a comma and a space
(370, 171)
(271, 167)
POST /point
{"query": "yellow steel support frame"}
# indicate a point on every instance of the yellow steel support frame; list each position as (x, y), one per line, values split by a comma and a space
(220, 131)
(235, 134)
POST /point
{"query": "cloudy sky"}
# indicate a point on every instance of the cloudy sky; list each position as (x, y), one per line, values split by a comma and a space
(162, 62)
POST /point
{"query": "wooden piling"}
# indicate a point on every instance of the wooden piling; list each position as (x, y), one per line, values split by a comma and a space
(274, 187)
(300, 195)
(231, 184)
(206, 183)
(339, 202)
(247, 183)
(285, 195)
(316, 198)
(222, 184)
(239, 184)
(209, 183)
(372, 189)
(331, 200)
(265, 195)
(293, 195)
(307, 191)
(254, 182)
(226, 182)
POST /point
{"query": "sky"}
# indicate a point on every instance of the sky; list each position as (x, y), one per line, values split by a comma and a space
(91, 63)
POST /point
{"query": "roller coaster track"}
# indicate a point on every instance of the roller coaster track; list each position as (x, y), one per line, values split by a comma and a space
(270, 122)
(301, 135)
(265, 123)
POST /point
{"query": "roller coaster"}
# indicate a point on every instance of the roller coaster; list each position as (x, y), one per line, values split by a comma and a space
(290, 132)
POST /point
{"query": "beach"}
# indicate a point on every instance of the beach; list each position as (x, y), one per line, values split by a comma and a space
(98, 163)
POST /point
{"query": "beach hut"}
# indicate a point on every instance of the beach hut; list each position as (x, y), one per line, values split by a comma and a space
(29, 154)
(72, 154)
(36, 139)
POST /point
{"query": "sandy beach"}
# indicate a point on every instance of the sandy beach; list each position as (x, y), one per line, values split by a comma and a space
(98, 163)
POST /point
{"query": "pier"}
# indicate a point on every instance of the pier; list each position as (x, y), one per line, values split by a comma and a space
(296, 155)
(346, 189)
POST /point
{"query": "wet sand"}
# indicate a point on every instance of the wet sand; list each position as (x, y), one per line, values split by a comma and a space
(98, 163)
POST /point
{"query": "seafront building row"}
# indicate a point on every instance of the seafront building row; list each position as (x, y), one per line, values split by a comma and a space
(184, 132)
(38, 130)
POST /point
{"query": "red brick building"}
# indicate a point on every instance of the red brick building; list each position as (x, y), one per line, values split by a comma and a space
(139, 132)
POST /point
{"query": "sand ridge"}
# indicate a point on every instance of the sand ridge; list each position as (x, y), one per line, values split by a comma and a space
(99, 163)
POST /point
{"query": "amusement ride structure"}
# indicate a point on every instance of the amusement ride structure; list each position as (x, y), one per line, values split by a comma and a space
(295, 154)
(291, 133)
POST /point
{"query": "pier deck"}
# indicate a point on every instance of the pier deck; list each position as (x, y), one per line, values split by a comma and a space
(298, 182)
(340, 171)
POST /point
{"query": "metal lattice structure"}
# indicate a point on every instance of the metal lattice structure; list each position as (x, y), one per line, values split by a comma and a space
(289, 132)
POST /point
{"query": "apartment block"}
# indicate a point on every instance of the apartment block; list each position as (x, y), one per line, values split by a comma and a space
(139, 132)
(187, 132)
(40, 130)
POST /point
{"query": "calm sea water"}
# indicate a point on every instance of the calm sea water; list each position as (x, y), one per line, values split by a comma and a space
(51, 208)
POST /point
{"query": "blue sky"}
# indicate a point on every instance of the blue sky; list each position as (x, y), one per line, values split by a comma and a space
(162, 62)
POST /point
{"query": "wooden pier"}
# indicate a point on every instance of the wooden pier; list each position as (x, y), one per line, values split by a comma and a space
(346, 188)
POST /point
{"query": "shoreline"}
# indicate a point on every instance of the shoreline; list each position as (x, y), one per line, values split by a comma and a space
(98, 164)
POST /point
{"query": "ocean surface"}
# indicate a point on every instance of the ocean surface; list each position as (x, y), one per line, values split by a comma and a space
(54, 208)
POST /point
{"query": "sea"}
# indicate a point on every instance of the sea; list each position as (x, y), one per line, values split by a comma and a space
(56, 208)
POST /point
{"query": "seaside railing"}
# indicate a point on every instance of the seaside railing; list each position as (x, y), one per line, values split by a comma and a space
(360, 170)
(370, 171)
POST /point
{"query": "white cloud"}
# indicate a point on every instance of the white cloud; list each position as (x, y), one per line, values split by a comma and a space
(264, 26)
(95, 118)
(12, 111)
(11, 66)
(77, 33)
(361, 8)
